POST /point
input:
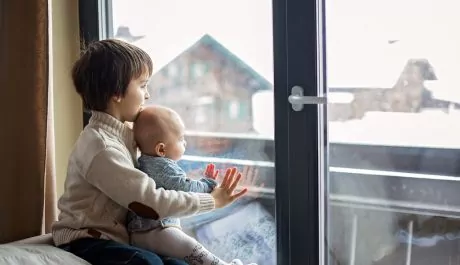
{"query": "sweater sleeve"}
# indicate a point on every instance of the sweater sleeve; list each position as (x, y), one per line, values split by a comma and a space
(172, 177)
(114, 174)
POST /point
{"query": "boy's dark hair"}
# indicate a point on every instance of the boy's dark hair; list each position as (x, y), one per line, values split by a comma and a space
(105, 69)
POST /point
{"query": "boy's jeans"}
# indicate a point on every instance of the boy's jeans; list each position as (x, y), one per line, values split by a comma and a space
(108, 252)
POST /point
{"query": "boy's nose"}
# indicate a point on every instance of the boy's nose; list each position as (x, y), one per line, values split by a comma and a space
(147, 95)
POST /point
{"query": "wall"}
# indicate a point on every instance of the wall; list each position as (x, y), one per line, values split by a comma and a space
(68, 116)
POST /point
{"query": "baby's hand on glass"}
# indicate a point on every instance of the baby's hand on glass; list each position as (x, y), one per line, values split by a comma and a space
(211, 172)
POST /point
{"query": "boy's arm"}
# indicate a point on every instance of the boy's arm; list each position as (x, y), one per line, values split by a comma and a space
(114, 174)
(172, 177)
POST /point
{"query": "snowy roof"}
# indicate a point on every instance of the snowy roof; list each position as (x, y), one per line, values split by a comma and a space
(376, 128)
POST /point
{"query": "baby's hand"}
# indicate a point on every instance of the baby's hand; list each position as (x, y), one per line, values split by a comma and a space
(211, 172)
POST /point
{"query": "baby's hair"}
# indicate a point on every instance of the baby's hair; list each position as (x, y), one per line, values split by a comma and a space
(105, 69)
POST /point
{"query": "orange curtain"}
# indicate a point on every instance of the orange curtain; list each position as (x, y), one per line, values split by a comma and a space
(27, 187)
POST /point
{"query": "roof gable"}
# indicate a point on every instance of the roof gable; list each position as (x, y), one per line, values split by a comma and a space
(226, 53)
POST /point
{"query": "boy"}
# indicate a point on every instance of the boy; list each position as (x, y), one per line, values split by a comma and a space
(159, 133)
(102, 183)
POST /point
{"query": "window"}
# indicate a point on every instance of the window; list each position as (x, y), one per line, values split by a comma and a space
(172, 37)
(234, 110)
(172, 70)
(199, 69)
(393, 157)
(371, 177)
(198, 66)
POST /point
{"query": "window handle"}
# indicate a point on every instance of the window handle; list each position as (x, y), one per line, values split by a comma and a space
(297, 99)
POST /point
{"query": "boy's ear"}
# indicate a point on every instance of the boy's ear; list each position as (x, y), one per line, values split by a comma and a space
(117, 99)
(160, 149)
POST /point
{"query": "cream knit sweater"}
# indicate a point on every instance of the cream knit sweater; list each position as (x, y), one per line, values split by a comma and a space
(102, 184)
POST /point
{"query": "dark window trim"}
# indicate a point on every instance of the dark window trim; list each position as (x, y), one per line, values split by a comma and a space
(95, 20)
(305, 145)
(95, 24)
(282, 198)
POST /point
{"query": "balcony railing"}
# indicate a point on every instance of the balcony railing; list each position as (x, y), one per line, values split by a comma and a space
(412, 180)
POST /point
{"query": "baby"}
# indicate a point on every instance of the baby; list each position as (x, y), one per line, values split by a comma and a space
(159, 134)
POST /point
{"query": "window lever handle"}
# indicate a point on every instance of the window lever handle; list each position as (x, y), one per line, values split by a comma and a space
(298, 100)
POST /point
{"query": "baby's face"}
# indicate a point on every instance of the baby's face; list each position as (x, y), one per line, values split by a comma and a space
(175, 146)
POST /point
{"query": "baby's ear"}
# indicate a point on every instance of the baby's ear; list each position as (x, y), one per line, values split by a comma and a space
(160, 149)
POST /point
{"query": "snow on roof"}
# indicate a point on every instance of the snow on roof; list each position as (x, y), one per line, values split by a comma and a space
(400, 129)
(376, 128)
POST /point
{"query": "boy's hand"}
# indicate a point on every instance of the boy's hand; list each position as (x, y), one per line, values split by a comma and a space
(224, 193)
(211, 172)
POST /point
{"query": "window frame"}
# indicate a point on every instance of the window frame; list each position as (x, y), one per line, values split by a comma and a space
(298, 35)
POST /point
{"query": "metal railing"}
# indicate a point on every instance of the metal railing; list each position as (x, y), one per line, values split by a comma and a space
(336, 172)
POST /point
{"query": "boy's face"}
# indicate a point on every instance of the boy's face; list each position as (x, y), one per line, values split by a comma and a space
(129, 106)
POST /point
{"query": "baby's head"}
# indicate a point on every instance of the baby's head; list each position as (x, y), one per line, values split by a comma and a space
(159, 131)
